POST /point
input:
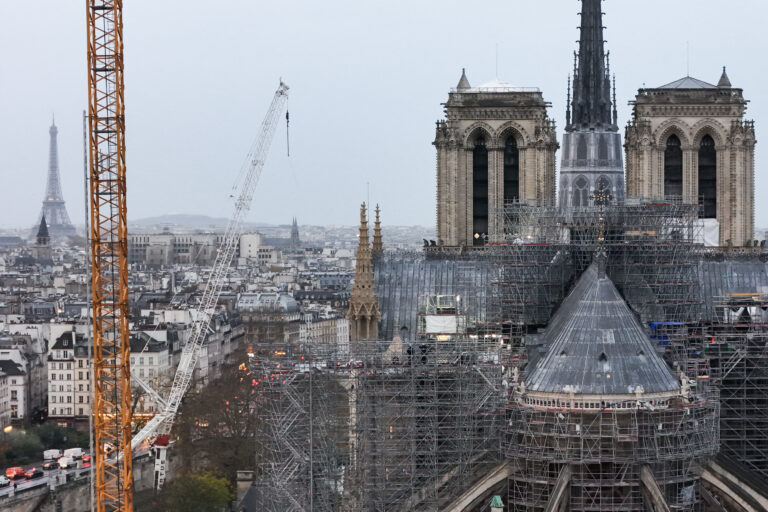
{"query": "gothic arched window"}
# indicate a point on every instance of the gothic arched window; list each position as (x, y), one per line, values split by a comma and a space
(708, 177)
(511, 170)
(479, 191)
(602, 148)
(673, 167)
(580, 191)
(581, 148)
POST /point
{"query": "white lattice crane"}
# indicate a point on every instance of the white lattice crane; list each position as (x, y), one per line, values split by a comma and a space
(161, 424)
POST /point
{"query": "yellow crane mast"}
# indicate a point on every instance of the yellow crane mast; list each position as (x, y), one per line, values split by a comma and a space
(109, 258)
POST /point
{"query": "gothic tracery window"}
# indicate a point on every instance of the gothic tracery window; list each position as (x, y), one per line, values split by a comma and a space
(581, 147)
(708, 177)
(602, 148)
(479, 191)
(580, 192)
(511, 170)
(673, 167)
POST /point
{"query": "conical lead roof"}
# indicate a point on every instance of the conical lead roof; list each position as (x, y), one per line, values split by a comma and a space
(597, 346)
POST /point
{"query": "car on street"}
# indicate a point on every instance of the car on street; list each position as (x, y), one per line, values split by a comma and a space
(51, 454)
(15, 472)
(74, 453)
(67, 462)
(35, 473)
(51, 464)
(4, 481)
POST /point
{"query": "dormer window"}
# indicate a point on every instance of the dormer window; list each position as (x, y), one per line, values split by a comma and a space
(602, 357)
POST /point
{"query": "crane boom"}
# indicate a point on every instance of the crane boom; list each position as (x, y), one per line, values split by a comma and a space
(163, 421)
(109, 258)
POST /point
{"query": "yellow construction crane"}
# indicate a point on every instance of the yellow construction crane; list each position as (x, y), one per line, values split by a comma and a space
(109, 258)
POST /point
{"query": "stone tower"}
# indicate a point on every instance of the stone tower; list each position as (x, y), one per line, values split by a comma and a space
(363, 314)
(54, 208)
(688, 140)
(591, 158)
(295, 240)
(378, 245)
(41, 251)
(496, 145)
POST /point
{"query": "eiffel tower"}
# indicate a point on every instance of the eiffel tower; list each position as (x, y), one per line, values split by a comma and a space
(54, 209)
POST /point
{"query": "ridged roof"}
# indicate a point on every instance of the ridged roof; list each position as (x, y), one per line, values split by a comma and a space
(688, 82)
(597, 345)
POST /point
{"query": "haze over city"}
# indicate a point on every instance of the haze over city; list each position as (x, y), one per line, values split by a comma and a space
(367, 82)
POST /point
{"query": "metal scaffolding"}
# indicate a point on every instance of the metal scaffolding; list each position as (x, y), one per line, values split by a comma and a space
(605, 450)
(414, 420)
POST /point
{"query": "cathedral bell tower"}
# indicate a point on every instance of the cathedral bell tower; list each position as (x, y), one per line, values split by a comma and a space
(689, 141)
(495, 146)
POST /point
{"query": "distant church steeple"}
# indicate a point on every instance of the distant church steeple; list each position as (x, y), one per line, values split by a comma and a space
(41, 251)
(591, 107)
(363, 314)
(43, 238)
(295, 240)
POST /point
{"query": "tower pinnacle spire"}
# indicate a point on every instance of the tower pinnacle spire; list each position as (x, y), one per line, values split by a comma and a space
(591, 107)
(363, 311)
(378, 246)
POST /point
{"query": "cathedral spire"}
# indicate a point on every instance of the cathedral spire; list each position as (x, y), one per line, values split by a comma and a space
(363, 311)
(591, 106)
(378, 246)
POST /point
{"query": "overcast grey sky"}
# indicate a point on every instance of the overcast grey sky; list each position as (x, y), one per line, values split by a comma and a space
(367, 80)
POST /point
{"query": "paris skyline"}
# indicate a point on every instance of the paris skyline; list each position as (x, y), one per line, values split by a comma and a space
(367, 85)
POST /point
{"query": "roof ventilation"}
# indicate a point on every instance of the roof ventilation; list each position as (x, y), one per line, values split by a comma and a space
(603, 357)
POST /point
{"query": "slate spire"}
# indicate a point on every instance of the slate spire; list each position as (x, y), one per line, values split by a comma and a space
(43, 238)
(591, 107)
